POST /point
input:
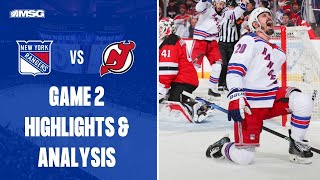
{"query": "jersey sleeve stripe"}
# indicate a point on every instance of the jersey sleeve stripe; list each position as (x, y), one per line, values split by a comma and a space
(271, 93)
(261, 91)
(168, 64)
(204, 33)
(168, 72)
(203, 11)
(237, 64)
(168, 68)
(195, 34)
(261, 98)
(163, 68)
(237, 69)
(235, 72)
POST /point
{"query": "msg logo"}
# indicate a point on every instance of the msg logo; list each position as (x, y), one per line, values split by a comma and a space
(27, 13)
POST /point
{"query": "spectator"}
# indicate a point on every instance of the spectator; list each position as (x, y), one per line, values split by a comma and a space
(284, 5)
(256, 2)
(191, 7)
(182, 22)
(264, 4)
(244, 26)
(232, 4)
(250, 8)
(160, 13)
(279, 15)
(295, 14)
(161, 4)
(286, 20)
(179, 2)
(172, 9)
(193, 23)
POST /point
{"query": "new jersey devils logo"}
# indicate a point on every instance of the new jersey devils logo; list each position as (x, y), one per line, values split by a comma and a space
(117, 58)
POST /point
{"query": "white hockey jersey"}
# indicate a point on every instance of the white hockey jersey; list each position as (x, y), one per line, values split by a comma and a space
(254, 66)
(209, 22)
(182, 25)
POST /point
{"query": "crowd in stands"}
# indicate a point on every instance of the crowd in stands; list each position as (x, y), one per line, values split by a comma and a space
(288, 13)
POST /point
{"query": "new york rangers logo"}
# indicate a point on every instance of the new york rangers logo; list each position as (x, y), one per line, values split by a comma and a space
(34, 57)
(117, 58)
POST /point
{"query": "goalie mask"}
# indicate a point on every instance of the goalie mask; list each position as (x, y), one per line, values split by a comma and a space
(166, 27)
(254, 18)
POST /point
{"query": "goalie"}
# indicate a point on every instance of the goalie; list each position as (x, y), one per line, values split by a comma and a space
(177, 73)
(255, 96)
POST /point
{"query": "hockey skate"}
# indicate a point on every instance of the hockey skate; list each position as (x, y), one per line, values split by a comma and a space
(211, 93)
(200, 112)
(214, 150)
(300, 151)
(221, 88)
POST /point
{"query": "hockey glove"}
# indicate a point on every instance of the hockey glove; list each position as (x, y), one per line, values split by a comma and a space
(238, 105)
(162, 92)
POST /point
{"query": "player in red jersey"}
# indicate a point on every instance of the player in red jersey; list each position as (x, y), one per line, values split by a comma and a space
(176, 71)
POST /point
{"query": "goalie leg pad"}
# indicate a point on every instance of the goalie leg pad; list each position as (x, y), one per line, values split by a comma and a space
(239, 155)
(214, 76)
(301, 106)
(185, 110)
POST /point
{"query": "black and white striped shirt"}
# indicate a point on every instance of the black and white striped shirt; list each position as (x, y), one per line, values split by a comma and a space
(229, 32)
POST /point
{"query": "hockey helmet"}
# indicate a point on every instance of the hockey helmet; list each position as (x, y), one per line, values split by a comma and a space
(222, 3)
(254, 17)
(166, 27)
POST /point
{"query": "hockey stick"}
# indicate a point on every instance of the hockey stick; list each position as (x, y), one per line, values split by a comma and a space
(210, 104)
(197, 58)
(213, 105)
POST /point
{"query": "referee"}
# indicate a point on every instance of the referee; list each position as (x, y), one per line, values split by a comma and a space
(229, 36)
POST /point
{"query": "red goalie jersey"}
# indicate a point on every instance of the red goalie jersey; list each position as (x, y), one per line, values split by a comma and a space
(174, 65)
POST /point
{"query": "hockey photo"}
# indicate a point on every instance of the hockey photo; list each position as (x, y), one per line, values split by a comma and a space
(238, 89)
